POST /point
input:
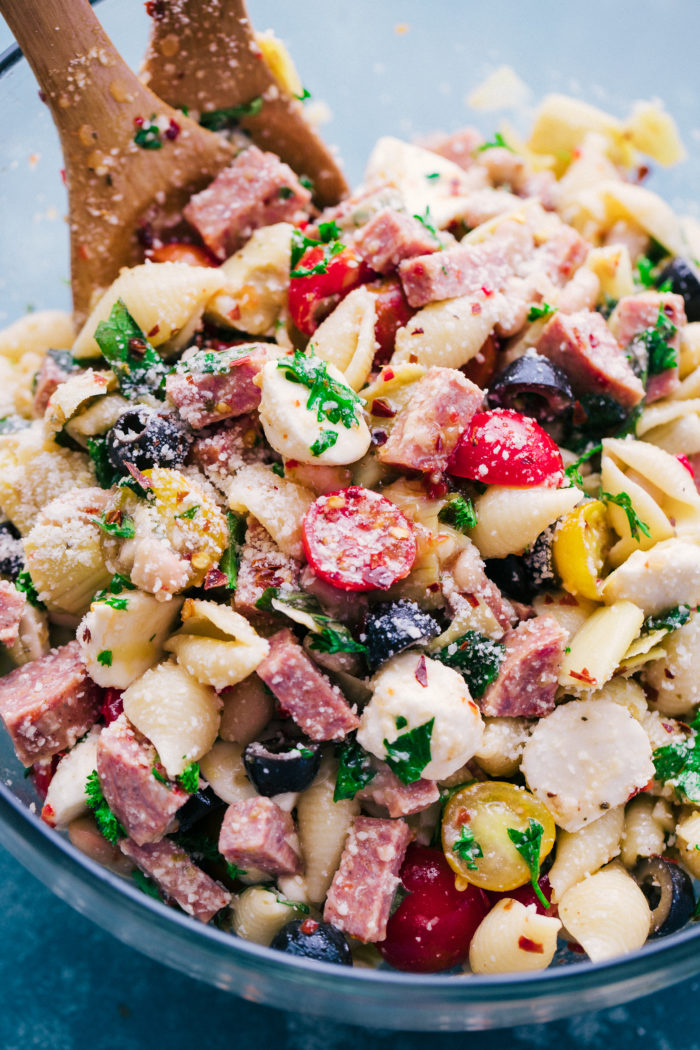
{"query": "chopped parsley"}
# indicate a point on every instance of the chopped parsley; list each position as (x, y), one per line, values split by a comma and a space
(104, 657)
(354, 770)
(230, 559)
(458, 512)
(329, 635)
(278, 469)
(25, 584)
(212, 362)
(426, 220)
(624, 501)
(148, 136)
(669, 620)
(137, 366)
(189, 513)
(304, 95)
(146, 884)
(528, 845)
(644, 271)
(573, 473)
(303, 909)
(332, 400)
(433, 175)
(401, 722)
(476, 657)
(115, 523)
(107, 823)
(409, 754)
(307, 183)
(467, 848)
(105, 473)
(284, 192)
(110, 595)
(328, 239)
(189, 778)
(497, 142)
(655, 341)
(538, 311)
(160, 777)
(233, 871)
(218, 119)
(678, 764)
(326, 440)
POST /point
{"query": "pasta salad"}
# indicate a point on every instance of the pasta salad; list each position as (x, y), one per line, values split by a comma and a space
(351, 558)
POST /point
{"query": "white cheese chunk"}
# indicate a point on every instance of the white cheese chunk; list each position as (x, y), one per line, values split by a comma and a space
(292, 428)
(667, 575)
(398, 694)
(585, 758)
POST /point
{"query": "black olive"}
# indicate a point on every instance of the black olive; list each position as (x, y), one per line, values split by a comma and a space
(197, 807)
(511, 575)
(534, 386)
(669, 892)
(685, 280)
(147, 438)
(279, 765)
(313, 940)
(539, 562)
(391, 627)
(11, 551)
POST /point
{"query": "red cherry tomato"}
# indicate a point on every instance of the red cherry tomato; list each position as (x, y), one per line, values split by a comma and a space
(432, 928)
(192, 254)
(358, 540)
(685, 462)
(112, 705)
(502, 447)
(311, 298)
(392, 313)
(526, 895)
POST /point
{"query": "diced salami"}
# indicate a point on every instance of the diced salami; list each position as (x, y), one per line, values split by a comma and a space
(258, 189)
(459, 147)
(142, 803)
(359, 899)
(262, 565)
(586, 350)
(12, 603)
(471, 581)
(399, 799)
(49, 704)
(257, 833)
(467, 268)
(561, 254)
(315, 704)
(392, 236)
(229, 446)
(427, 429)
(223, 388)
(528, 677)
(635, 313)
(178, 877)
(49, 377)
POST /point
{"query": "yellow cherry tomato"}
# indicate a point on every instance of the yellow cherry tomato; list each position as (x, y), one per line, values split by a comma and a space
(579, 548)
(480, 816)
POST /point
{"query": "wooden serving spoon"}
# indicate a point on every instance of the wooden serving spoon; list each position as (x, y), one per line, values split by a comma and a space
(203, 54)
(99, 107)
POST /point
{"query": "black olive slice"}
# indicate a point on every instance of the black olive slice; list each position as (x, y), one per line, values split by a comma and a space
(533, 386)
(669, 891)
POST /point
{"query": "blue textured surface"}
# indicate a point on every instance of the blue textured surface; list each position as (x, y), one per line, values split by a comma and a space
(68, 986)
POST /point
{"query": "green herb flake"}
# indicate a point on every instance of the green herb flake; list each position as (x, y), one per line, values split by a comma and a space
(458, 512)
(333, 401)
(233, 871)
(121, 525)
(401, 722)
(433, 175)
(304, 95)
(678, 764)
(189, 513)
(303, 909)
(497, 142)
(528, 845)
(137, 366)
(307, 183)
(146, 884)
(426, 220)
(644, 272)
(330, 636)
(189, 778)
(110, 595)
(106, 474)
(148, 136)
(573, 473)
(653, 345)
(669, 620)
(230, 559)
(104, 657)
(354, 770)
(324, 441)
(284, 192)
(624, 501)
(160, 777)
(107, 823)
(278, 469)
(476, 657)
(536, 312)
(409, 754)
(467, 848)
(218, 119)
(328, 240)
(25, 584)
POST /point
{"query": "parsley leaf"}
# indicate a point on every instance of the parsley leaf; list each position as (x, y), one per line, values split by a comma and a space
(146, 884)
(644, 271)
(328, 239)
(190, 513)
(669, 620)
(497, 142)
(109, 596)
(476, 657)
(678, 764)
(104, 657)
(528, 845)
(538, 311)
(330, 636)
(332, 400)
(326, 439)
(122, 525)
(107, 823)
(233, 871)
(105, 473)
(573, 473)
(303, 909)
(354, 770)
(137, 366)
(148, 136)
(189, 778)
(624, 501)
(25, 584)
(467, 848)
(231, 557)
(458, 512)
(218, 119)
(160, 777)
(212, 362)
(653, 345)
(426, 220)
(409, 754)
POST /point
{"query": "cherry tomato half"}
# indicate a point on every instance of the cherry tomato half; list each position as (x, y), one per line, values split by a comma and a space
(502, 447)
(312, 297)
(358, 540)
(191, 254)
(481, 814)
(432, 928)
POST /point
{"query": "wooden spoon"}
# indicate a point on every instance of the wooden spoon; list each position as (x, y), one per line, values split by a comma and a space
(97, 103)
(203, 54)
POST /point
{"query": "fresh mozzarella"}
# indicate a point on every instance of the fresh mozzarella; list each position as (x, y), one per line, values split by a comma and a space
(585, 758)
(399, 694)
(293, 429)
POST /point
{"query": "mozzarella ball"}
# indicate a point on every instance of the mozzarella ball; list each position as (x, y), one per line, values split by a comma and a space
(399, 693)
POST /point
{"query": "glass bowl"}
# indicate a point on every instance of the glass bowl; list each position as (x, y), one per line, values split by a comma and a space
(389, 68)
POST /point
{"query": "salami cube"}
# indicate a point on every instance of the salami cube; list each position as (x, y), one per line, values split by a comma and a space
(317, 706)
(583, 346)
(144, 805)
(561, 255)
(635, 313)
(360, 897)
(257, 833)
(12, 603)
(49, 704)
(428, 428)
(528, 677)
(399, 799)
(392, 236)
(229, 446)
(217, 385)
(262, 565)
(178, 877)
(258, 189)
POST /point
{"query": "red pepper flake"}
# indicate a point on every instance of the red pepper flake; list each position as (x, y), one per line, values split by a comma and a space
(137, 346)
(138, 122)
(136, 474)
(488, 292)
(63, 176)
(83, 251)
(472, 599)
(379, 437)
(583, 675)
(173, 130)
(417, 331)
(526, 945)
(113, 517)
(387, 374)
(43, 96)
(568, 599)
(154, 331)
(214, 578)
(382, 408)
(476, 308)
(575, 948)
(421, 673)
(308, 926)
